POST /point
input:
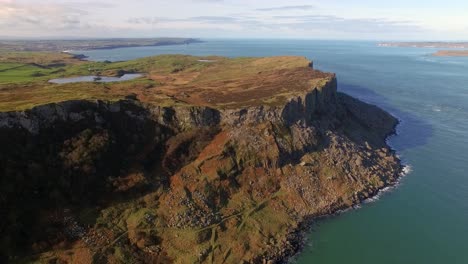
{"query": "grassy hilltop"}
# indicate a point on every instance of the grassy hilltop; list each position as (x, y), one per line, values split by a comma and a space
(168, 79)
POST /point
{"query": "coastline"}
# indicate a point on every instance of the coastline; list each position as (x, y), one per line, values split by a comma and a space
(299, 237)
(451, 53)
(317, 153)
(80, 56)
(149, 45)
(423, 44)
(91, 44)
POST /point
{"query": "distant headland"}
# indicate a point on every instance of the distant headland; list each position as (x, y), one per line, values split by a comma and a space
(439, 53)
(427, 44)
(451, 53)
(89, 44)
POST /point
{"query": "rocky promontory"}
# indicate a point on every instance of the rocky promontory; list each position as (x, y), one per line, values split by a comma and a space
(451, 53)
(227, 167)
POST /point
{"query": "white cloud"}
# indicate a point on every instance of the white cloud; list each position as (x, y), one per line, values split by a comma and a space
(48, 16)
(286, 8)
(217, 18)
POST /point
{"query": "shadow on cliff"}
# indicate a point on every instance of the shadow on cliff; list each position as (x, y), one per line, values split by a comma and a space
(412, 131)
(71, 160)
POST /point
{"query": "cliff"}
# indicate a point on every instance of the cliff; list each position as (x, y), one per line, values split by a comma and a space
(131, 181)
(300, 107)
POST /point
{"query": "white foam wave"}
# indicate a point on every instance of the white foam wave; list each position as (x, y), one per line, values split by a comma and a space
(407, 169)
(376, 197)
(372, 199)
(342, 211)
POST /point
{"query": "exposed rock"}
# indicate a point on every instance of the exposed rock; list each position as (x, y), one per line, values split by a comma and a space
(218, 173)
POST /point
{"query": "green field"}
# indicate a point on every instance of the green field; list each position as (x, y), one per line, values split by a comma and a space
(167, 80)
(34, 67)
(24, 77)
(20, 73)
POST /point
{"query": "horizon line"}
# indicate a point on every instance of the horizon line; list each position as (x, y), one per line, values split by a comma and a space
(66, 38)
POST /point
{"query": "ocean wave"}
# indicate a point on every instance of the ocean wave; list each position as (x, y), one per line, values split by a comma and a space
(376, 197)
(407, 169)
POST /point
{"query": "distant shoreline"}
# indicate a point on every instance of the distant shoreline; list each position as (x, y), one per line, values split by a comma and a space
(90, 44)
(439, 53)
(445, 45)
(451, 53)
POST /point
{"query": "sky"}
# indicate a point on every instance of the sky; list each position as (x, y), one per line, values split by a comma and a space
(316, 19)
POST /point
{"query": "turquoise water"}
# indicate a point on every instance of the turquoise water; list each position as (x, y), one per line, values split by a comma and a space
(423, 220)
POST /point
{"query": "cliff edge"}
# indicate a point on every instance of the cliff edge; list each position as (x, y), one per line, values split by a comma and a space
(225, 176)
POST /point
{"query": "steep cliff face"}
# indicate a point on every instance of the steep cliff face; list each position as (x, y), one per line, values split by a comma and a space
(97, 112)
(185, 184)
(300, 107)
(319, 100)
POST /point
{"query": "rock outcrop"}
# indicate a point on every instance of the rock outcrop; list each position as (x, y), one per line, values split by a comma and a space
(127, 181)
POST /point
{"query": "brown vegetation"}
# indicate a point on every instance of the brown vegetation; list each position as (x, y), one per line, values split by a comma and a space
(220, 162)
(171, 80)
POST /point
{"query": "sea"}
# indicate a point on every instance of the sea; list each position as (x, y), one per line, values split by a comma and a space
(424, 219)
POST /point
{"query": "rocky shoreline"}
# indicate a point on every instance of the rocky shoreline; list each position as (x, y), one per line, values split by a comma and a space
(298, 238)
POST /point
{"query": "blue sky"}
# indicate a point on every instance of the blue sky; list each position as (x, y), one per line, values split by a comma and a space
(331, 19)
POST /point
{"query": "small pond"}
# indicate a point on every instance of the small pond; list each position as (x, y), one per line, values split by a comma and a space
(91, 78)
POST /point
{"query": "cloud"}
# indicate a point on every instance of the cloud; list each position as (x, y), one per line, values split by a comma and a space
(197, 19)
(46, 16)
(286, 8)
(204, 23)
(22, 18)
(93, 4)
(348, 25)
(144, 20)
(83, 18)
(214, 19)
(287, 23)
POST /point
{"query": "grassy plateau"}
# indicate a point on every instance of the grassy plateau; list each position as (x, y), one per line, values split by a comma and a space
(167, 80)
